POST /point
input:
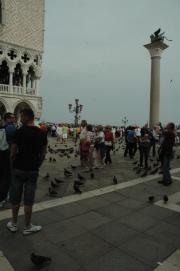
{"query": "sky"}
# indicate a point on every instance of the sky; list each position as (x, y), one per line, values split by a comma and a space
(94, 51)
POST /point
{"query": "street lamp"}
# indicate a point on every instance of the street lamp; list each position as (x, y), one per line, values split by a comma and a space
(77, 109)
(124, 121)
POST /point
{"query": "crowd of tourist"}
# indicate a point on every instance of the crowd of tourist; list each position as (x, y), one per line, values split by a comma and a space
(23, 149)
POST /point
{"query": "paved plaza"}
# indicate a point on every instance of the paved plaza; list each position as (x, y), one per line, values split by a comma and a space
(108, 227)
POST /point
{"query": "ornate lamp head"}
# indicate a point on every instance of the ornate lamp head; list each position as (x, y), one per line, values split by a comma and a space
(70, 107)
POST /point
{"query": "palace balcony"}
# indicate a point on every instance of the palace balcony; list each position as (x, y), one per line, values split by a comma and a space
(17, 90)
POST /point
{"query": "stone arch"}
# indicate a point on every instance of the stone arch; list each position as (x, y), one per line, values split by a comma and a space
(20, 105)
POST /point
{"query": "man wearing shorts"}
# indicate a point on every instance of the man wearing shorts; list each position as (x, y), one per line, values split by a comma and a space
(27, 153)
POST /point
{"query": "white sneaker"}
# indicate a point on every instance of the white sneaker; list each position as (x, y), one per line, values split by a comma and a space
(32, 229)
(12, 227)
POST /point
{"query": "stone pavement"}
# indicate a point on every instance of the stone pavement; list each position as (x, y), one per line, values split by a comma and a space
(120, 230)
(116, 230)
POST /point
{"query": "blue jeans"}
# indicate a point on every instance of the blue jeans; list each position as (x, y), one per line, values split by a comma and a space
(23, 182)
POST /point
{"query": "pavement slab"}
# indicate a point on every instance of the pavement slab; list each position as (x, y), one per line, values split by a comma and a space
(147, 249)
(117, 260)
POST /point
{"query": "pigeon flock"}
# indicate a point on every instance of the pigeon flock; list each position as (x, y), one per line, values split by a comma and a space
(72, 171)
(79, 177)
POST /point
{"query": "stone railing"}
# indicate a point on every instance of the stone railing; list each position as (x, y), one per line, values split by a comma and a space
(17, 90)
(4, 89)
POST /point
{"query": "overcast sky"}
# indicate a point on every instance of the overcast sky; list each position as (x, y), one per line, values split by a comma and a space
(94, 51)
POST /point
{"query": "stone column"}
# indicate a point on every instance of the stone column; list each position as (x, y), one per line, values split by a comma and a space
(155, 49)
(11, 71)
(25, 72)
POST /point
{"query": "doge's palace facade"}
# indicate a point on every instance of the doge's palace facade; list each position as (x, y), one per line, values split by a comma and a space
(21, 49)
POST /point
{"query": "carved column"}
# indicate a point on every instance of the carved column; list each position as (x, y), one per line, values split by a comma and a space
(25, 72)
(11, 71)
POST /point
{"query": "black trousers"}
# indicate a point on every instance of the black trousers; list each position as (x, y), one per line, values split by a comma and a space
(108, 155)
(144, 155)
(5, 174)
(131, 148)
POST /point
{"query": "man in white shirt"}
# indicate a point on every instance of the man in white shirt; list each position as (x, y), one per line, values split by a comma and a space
(59, 133)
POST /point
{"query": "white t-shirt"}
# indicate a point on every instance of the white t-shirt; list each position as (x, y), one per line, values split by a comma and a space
(59, 130)
(83, 134)
(138, 131)
(101, 136)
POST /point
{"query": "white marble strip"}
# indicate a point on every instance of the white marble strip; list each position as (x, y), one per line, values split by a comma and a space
(172, 203)
(176, 178)
(4, 264)
(85, 195)
(172, 263)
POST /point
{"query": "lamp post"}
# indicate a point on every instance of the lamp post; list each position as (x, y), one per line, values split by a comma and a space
(124, 121)
(77, 109)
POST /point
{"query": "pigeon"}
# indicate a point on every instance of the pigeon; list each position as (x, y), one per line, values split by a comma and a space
(115, 181)
(54, 160)
(54, 185)
(76, 182)
(135, 163)
(138, 171)
(144, 173)
(47, 175)
(165, 198)
(151, 199)
(80, 177)
(39, 260)
(73, 167)
(50, 159)
(58, 181)
(92, 175)
(154, 171)
(76, 189)
(135, 168)
(67, 173)
(52, 193)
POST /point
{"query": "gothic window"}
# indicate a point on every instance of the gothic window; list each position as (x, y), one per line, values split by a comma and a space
(25, 58)
(30, 78)
(4, 73)
(18, 76)
(12, 55)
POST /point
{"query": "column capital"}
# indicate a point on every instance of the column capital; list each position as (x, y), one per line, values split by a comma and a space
(156, 48)
(25, 70)
(11, 68)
